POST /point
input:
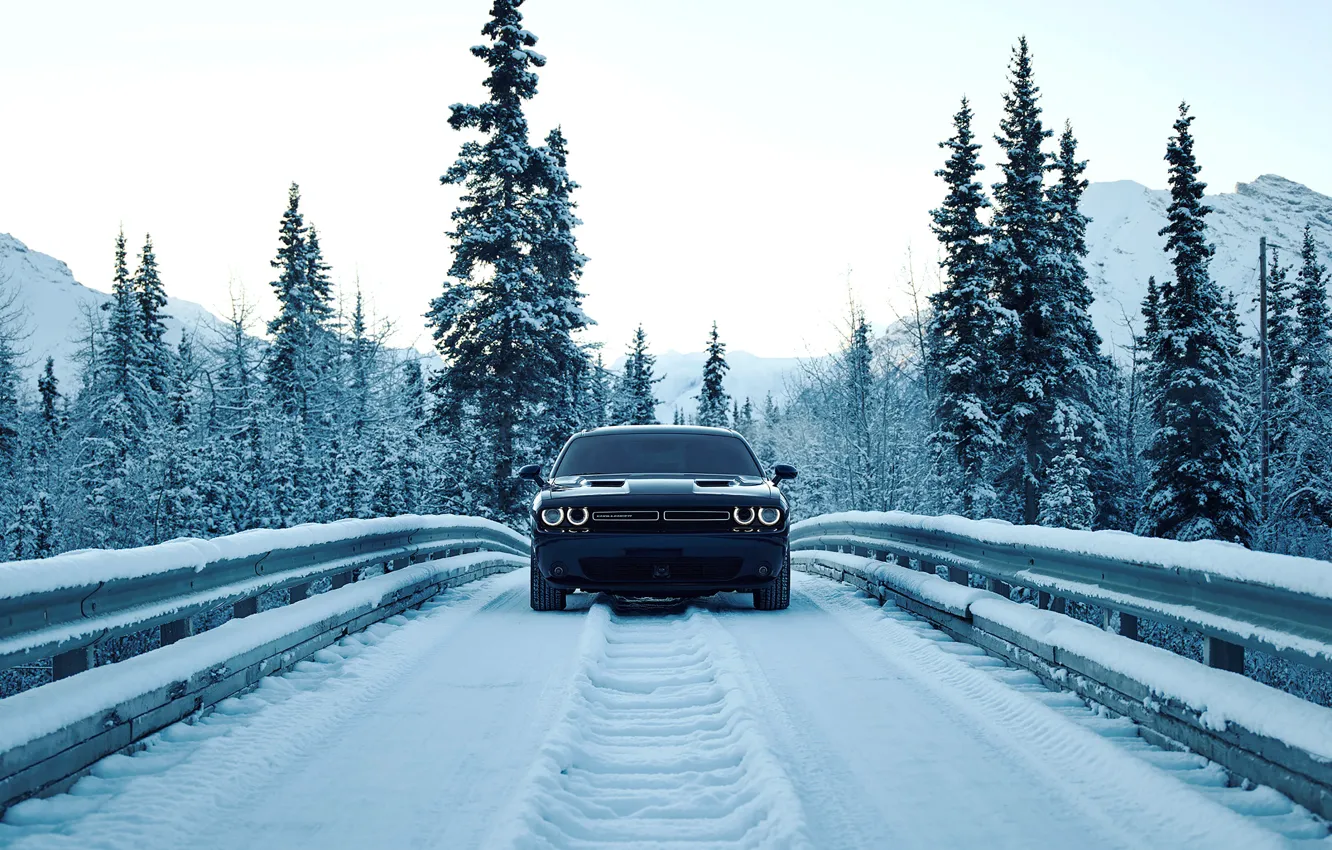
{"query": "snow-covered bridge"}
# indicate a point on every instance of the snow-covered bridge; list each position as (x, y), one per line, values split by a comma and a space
(424, 705)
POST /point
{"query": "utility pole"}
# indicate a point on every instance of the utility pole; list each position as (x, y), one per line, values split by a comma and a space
(1262, 370)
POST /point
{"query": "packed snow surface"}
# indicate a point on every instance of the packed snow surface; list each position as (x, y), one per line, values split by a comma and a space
(478, 722)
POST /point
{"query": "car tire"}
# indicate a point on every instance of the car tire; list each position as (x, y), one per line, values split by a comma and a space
(545, 596)
(777, 595)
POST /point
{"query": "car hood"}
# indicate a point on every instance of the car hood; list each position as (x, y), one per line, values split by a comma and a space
(704, 489)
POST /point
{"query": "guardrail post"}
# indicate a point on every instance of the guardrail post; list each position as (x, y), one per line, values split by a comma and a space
(880, 555)
(902, 561)
(299, 592)
(1059, 605)
(957, 576)
(245, 608)
(1128, 626)
(342, 579)
(1223, 656)
(1043, 600)
(176, 630)
(995, 585)
(66, 664)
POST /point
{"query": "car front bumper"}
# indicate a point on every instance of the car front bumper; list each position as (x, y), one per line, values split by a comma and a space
(660, 564)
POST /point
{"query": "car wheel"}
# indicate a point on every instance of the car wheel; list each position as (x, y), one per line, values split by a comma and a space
(777, 595)
(545, 596)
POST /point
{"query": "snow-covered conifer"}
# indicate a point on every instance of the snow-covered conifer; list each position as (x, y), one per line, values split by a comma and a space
(635, 403)
(1199, 485)
(500, 325)
(712, 396)
(964, 324)
(1066, 498)
(152, 299)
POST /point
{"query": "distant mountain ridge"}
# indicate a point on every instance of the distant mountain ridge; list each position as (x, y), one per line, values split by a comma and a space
(55, 303)
(1124, 247)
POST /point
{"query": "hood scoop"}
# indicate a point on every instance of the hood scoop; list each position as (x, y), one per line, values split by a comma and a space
(714, 482)
(602, 482)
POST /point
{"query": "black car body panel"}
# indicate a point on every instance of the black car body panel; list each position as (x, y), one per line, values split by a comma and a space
(648, 533)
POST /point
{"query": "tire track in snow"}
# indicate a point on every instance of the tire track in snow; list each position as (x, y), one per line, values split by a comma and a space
(184, 788)
(658, 747)
(1110, 787)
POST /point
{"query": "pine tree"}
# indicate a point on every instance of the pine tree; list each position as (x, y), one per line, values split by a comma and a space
(712, 397)
(33, 533)
(964, 324)
(151, 296)
(500, 325)
(1066, 501)
(126, 359)
(1308, 490)
(560, 265)
(635, 403)
(178, 506)
(1080, 375)
(1281, 356)
(1021, 247)
(290, 373)
(9, 405)
(858, 415)
(744, 419)
(1199, 488)
(48, 389)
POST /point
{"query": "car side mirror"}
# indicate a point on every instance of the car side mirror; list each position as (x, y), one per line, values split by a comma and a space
(532, 472)
(783, 472)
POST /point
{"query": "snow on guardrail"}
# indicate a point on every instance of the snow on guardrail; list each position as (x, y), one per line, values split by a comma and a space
(1223, 560)
(89, 566)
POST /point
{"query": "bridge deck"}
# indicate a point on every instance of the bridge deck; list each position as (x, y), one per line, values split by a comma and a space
(477, 722)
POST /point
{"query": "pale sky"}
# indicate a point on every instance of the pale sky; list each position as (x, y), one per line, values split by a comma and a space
(736, 156)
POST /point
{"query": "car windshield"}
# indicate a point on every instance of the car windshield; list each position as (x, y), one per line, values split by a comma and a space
(657, 453)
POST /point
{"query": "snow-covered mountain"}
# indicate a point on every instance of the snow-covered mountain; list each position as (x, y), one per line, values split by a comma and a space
(55, 304)
(1124, 248)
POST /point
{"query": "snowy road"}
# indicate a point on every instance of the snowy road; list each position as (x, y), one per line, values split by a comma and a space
(476, 722)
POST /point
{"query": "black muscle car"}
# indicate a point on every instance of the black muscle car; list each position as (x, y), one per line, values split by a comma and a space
(656, 510)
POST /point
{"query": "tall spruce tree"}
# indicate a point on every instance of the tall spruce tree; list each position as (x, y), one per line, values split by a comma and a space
(964, 324)
(1309, 487)
(1066, 501)
(291, 368)
(1281, 358)
(501, 326)
(1081, 377)
(1021, 254)
(635, 403)
(1199, 487)
(152, 300)
(48, 391)
(712, 397)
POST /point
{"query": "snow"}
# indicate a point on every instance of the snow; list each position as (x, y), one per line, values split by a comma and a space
(477, 722)
(30, 715)
(1220, 697)
(926, 587)
(1214, 558)
(54, 303)
(1124, 247)
(89, 566)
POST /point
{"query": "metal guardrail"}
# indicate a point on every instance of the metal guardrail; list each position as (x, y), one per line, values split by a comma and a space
(1154, 582)
(62, 607)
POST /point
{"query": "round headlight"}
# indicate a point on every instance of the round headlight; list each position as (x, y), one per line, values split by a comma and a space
(552, 516)
(578, 516)
(744, 516)
(769, 516)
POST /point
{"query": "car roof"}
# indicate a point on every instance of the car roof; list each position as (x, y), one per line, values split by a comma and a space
(658, 429)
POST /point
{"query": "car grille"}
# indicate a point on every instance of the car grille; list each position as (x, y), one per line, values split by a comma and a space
(650, 569)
